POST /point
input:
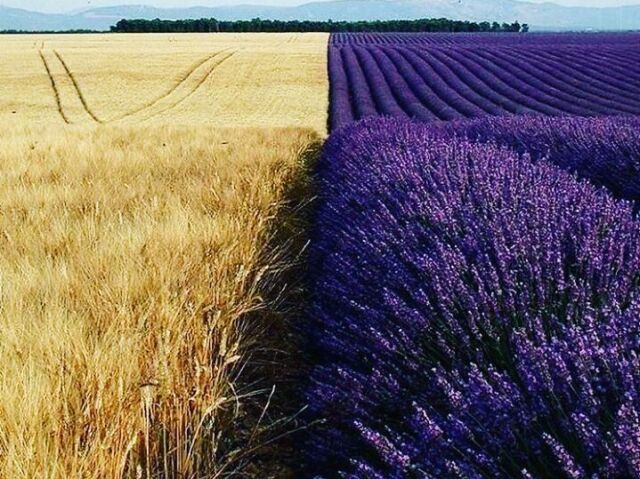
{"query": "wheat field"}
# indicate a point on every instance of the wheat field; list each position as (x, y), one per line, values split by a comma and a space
(142, 182)
(228, 80)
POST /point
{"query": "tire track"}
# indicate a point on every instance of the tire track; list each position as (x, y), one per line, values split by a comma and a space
(81, 97)
(216, 59)
(200, 83)
(187, 86)
(54, 87)
(182, 80)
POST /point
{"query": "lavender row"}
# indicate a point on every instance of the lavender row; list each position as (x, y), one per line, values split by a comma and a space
(473, 39)
(473, 313)
(433, 83)
(605, 151)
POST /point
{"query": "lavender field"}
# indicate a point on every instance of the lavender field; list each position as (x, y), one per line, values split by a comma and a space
(475, 260)
(433, 77)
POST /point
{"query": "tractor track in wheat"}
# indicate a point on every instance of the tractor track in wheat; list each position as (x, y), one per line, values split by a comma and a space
(76, 86)
(54, 87)
(186, 86)
(216, 59)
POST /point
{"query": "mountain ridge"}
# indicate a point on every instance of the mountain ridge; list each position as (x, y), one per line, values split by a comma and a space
(541, 16)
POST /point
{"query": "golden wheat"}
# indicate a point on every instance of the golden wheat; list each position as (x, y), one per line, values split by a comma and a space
(133, 240)
(226, 80)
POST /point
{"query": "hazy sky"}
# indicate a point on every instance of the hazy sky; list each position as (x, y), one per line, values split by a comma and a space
(68, 5)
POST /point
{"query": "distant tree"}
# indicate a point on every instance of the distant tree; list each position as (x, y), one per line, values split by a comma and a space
(260, 25)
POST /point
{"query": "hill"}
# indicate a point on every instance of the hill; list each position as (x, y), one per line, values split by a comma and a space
(546, 16)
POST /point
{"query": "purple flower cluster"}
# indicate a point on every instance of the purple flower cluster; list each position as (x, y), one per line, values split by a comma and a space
(604, 150)
(433, 77)
(474, 313)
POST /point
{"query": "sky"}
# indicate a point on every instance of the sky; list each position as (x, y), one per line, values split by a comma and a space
(57, 6)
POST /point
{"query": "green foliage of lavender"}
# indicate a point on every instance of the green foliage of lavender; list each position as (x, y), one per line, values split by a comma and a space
(474, 313)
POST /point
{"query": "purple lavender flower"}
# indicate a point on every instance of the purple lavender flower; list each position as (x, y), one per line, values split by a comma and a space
(473, 313)
(444, 77)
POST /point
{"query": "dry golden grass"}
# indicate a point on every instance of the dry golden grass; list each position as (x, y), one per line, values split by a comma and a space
(133, 248)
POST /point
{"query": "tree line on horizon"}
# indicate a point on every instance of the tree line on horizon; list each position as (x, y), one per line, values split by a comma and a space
(209, 25)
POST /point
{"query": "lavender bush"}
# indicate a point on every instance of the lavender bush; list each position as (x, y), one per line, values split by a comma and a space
(604, 150)
(474, 314)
